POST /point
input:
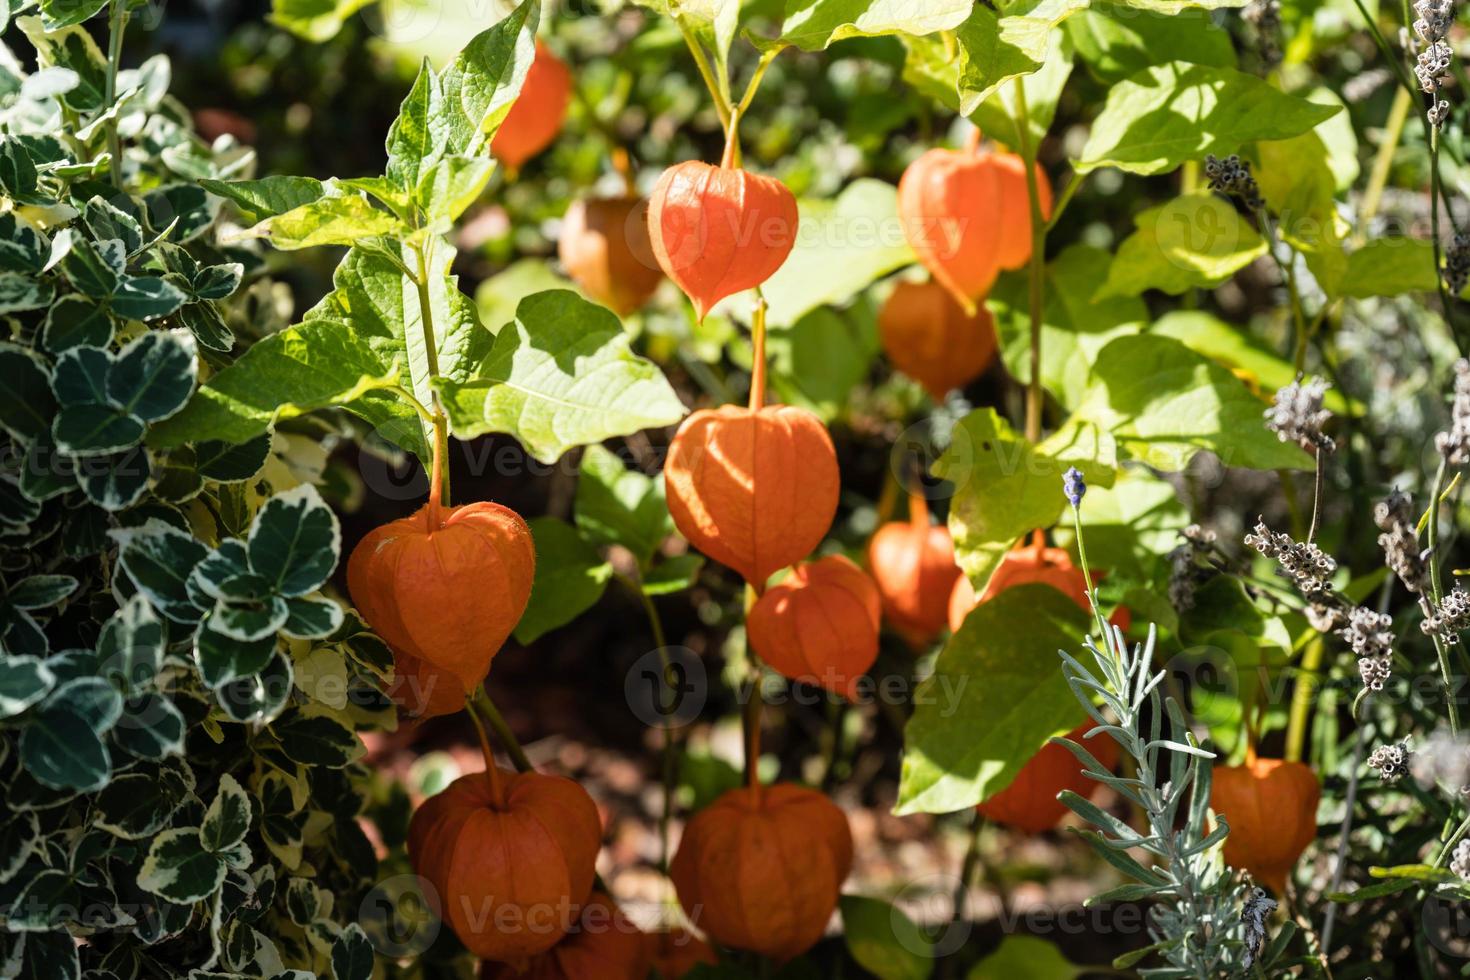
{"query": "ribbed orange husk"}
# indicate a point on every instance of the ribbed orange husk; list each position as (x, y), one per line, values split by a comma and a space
(761, 869)
(422, 690)
(538, 112)
(913, 564)
(930, 337)
(819, 624)
(603, 945)
(447, 596)
(509, 880)
(719, 230)
(754, 490)
(1027, 564)
(1030, 802)
(678, 951)
(1271, 807)
(605, 247)
(968, 216)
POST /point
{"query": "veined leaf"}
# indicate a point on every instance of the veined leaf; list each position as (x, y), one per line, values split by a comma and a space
(339, 220)
(1196, 240)
(814, 24)
(561, 375)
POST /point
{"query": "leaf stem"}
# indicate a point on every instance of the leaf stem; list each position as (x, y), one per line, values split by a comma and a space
(1035, 268)
(701, 61)
(439, 475)
(502, 731)
(117, 22)
(1074, 184)
(758, 363)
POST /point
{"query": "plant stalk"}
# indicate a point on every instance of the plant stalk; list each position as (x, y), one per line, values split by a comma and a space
(1035, 268)
(117, 22)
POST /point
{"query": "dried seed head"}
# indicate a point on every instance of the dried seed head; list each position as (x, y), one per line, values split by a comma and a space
(1451, 617)
(1232, 177)
(1305, 564)
(1186, 571)
(1460, 860)
(1296, 415)
(1400, 542)
(1391, 761)
(1455, 443)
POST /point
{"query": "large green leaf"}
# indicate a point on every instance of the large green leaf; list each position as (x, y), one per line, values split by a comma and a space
(999, 114)
(1005, 487)
(562, 375)
(314, 20)
(420, 134)
(1117, 40)
(884, 940)
(1025, 956)
(1173, 112)
(312, 365)
(1164, 403)
(616, 505)
(996, 695)
(268, 196)
(343, 219)
(1300, 188)
(1196, 240)
(1390, 267)
(483, 81)
(570, 577)
(813, 24)
(818, 361)
(1076, 324)
(844, 245)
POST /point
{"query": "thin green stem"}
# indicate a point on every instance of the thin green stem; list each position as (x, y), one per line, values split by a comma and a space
(1432, 530)
(670, 762)
(1074, 184)
(1035, 268)
(1393, 133)
(756, 78)
(967, 875)
(439, 493)
(496, 721)
(707, 72)
(1091, 591)
(116, 24)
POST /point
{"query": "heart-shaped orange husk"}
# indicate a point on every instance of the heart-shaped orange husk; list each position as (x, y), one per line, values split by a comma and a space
(967, 215)
(753, 489)
(604, 945)
(913, 564)
(446, 596)
(819, 624)
(538, 112)
(1030, 802)
(930, 337)
(719, 230)
(761, 868)
(1271, 807)
(509, 876)
(605, 247)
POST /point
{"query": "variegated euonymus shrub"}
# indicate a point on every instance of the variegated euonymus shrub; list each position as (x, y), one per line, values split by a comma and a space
(178, 700)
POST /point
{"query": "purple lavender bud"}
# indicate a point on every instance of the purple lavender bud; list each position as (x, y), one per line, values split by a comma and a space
(1074, 486)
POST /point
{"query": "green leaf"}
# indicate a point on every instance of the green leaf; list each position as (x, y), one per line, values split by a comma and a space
(1075, 324)
(19, 292)
(228, 818)
(1164, 403)
(1025, 956)
(75, 321)
(95, 430)
(713, 22)
(998, 115)
(1390, 267)
(131, 645)
(314, 20)
(884, 940)
(997, 694)
(1173, 112)
(294, 541)
(418, 137)
(352, 954)
(1197, 240)
(617, 505)
(991, 53)
(117, 481)
(71, 47)
(814, 24)
(570, 577)
(223, 659)
(562, 375)
(267, 197)
(158, 559)
(1117, 40)
(1261, 368)
(484, 80)
(1005, 487)
(140, 803)
(26, 403)
(673, 574)
(62, 744)
(179, 869)
(224, 462)
(315, 364)
(153, 376)
(818, 361)
(24, 681)
(56, 14)
(314, 739)
(40, 591)
(151, 728)
(451, 185)
(339, 220)
(311, 619)
(845, 245)
(1299, 186)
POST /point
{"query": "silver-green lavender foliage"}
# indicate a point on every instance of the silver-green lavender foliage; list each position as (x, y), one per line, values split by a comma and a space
(1195, 919)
